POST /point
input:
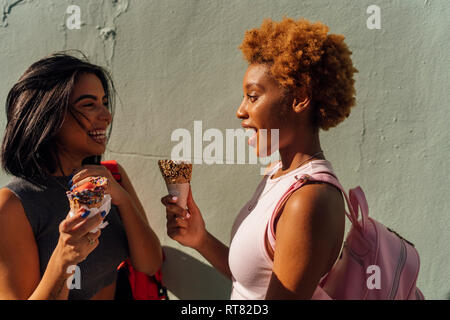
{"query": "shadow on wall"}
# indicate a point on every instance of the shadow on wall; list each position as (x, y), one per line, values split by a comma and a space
(189, 279)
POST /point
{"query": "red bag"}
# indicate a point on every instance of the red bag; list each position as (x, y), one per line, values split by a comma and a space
(132, 284)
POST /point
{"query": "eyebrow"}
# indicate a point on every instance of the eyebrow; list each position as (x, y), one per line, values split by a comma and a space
(253, 84)
(87, 96)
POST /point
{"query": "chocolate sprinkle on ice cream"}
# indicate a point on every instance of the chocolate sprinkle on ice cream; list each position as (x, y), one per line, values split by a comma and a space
(175, 171)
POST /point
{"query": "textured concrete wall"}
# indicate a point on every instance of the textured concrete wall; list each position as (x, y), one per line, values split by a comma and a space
(175, 62)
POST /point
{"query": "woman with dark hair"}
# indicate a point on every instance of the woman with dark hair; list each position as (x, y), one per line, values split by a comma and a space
(58, 115)
(299, 80)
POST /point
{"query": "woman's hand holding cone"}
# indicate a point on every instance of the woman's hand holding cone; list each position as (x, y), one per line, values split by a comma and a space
(75, 241)
(185, 226)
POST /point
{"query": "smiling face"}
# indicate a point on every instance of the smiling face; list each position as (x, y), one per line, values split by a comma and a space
(85, 135)
(266, 105)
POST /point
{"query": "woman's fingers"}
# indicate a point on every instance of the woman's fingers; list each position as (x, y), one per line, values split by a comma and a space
(83, 228)
(71, 221)
(89, 171)
(172, 209)
(176, 232)
(81, 247)
(96, 234)
(79, 175)
(87, 179)
(92, 238)
(177, 222)
(76, 240)
(80, 182)
(89, 238)
(169, 200)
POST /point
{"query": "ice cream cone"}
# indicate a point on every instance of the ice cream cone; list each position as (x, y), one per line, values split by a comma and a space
(177, 175)
(91, 196)
(181, 191)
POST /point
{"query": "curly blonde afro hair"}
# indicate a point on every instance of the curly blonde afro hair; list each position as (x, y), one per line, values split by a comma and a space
(302, 55)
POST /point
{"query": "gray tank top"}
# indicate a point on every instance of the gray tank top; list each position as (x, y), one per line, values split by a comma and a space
(46, 205)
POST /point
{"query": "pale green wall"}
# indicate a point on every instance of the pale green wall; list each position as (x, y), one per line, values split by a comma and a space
(177, 61)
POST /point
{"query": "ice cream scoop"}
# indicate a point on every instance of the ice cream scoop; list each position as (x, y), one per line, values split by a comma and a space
(91, 196)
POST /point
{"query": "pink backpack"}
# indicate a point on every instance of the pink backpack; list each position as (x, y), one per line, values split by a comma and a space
(376, 263)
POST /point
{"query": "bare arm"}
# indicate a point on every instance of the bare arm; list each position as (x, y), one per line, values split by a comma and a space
(145, 249)
(309, 234)
(146, 252)
(216, 253)
(188, 228)
(19, 260)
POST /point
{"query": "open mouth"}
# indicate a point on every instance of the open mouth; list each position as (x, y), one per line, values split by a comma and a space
(98, 136)
(253, 133)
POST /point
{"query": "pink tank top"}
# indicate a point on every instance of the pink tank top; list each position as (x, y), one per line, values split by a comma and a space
(250, 264)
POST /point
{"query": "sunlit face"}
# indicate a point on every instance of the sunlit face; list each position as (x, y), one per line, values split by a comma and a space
(87, 136)
(265, 105)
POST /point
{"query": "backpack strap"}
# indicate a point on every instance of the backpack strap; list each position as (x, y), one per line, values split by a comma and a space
(356, 200)
(359, 202)
(113, 166)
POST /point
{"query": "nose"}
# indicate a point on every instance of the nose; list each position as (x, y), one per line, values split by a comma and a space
(241, 112)
(105, 115)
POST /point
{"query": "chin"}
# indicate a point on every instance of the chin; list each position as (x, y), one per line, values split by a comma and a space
(265, 151)
(97, 151)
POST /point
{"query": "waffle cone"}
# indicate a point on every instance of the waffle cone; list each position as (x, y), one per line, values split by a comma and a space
(175, 172)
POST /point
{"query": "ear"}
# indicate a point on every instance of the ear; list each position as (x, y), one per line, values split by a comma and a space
(300, 105)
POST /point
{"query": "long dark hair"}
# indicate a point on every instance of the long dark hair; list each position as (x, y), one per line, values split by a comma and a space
(36, 107)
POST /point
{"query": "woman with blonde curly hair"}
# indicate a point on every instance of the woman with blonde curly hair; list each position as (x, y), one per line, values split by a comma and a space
(299, 80)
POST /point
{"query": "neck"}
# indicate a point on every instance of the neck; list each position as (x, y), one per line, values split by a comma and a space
(68, 163)
(303, 147)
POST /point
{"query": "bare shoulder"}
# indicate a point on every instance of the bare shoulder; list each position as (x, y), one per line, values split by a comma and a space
(18, 250)
(318, 207)
(9, 203)
(316, 197)
(14, 225)
(125, 179)
(122, 172)
(120, 168)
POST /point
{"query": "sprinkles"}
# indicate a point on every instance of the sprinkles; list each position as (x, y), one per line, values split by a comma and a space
(175, 171)
(90, 193)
